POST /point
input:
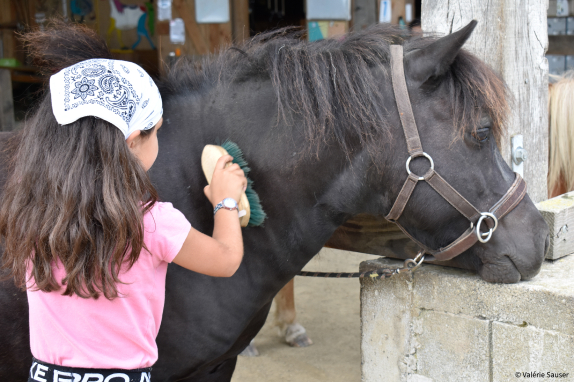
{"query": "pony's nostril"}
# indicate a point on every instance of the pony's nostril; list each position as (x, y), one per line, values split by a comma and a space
(547, 245)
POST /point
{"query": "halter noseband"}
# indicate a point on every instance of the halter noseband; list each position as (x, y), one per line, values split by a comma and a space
(473, 234)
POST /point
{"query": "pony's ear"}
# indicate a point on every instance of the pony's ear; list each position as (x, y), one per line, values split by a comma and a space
(434, 60)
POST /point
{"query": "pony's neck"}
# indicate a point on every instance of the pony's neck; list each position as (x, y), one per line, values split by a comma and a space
(306, 194)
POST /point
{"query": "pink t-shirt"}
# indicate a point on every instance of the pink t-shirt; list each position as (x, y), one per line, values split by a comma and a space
(117, 334)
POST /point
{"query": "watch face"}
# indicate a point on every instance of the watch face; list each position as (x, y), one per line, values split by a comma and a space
(229, 203)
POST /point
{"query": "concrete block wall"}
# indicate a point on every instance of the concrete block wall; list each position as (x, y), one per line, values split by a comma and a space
(443, 324)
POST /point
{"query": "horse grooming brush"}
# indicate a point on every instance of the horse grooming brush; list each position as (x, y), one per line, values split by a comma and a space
(249, 201)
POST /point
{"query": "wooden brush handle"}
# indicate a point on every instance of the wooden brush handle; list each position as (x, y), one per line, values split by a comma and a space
(209, 157)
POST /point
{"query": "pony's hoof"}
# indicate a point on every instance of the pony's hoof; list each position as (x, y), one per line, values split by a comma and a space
(300, 341)
(296, 336)
(250, 351)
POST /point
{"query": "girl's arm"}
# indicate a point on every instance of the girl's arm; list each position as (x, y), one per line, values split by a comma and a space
(219, 255)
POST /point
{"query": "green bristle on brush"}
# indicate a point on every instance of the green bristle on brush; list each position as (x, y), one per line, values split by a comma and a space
(257, 214)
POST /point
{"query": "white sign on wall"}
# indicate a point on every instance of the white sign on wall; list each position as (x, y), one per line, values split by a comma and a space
(212, 11)
(408, 13)
(164, 10)
(385, 11)
(177, 31)
(328, 9)
(562, 8)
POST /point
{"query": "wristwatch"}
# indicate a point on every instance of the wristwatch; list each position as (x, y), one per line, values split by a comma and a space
(227, 203)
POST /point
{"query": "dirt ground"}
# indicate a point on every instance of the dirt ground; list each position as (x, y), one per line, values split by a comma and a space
(329, 310)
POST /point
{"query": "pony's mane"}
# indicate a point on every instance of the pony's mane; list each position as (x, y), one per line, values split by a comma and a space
(330, 85)
(561, 150)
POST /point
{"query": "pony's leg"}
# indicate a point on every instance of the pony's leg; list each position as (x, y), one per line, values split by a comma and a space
(295, 334)
(250, 351)
(221, 373)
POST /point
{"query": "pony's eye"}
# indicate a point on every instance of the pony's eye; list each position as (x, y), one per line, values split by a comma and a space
(481, 135)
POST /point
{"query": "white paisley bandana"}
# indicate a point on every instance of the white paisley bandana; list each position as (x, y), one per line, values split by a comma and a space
(119, 92)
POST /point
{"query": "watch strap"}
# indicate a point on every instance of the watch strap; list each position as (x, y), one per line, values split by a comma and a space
(220, 205)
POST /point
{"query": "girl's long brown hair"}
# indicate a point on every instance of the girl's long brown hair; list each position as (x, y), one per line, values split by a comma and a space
(75, 193)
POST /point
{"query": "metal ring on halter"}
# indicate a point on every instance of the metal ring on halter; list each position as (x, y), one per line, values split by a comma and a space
(488, 234)
(420, 155)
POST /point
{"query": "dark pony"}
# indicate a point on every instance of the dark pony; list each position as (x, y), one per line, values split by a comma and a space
(318, 124)
(330, 86)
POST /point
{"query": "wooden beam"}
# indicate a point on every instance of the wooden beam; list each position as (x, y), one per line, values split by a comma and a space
(512, 37)
(559, 215)
(213, 33)
(6, 101)
(9, 25)
(561, 45)
(162, 28)
(219, 35)
(187, 14)
(397, 10)
(240, 20)
(27, 78)
(32, 12)
(224, 36)
(162, 47)
(364, 14)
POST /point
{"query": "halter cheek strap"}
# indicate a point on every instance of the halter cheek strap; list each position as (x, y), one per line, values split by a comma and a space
(507, 203)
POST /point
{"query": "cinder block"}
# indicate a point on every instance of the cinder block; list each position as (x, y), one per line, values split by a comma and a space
(460, 342)
(443, 324)
(544, 302)
(559, 215)
(522, 349)
(385, 329)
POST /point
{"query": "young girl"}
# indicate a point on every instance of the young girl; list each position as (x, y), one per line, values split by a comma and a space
(82, 228)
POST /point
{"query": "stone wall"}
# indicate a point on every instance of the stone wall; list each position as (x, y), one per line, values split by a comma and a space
(443, 324)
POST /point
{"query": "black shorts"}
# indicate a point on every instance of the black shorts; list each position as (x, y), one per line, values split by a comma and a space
(46, 372)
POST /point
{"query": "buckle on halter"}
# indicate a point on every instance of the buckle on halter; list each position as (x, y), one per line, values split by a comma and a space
(416, 156)
(486, 235)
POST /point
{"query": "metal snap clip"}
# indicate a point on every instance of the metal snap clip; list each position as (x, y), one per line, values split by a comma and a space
(411, 265)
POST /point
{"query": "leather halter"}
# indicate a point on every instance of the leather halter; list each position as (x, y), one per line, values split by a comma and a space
(473, 234)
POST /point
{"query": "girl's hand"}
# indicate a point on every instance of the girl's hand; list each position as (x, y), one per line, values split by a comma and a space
(221, 254)
(227, 182)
